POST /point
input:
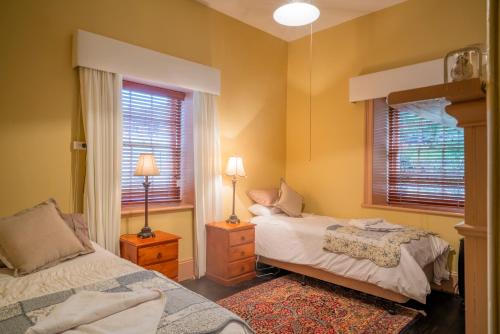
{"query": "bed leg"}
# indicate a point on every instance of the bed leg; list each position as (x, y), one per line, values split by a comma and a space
(303, 280)
(390, 308)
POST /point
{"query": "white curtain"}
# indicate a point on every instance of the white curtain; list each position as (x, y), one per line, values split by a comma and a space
(207, 172)
(102, 120)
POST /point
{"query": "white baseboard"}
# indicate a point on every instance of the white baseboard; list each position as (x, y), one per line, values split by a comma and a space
(186, 270)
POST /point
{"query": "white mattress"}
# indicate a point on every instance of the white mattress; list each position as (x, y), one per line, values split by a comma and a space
(83, 270)
(300, 241)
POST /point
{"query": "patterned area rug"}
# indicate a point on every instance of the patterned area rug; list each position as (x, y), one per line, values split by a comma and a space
(283, 305)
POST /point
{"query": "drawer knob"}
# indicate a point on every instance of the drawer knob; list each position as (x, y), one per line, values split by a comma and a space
(242, 253)
(242, 238)
(158, 256)
(242, 269)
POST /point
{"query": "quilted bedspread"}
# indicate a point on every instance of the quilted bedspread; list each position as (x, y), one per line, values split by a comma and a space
(381, 247)
(185, 311)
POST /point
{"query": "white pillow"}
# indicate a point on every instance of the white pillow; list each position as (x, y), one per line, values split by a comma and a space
(262, 210)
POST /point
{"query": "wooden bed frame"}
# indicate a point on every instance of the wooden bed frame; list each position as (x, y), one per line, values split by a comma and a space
(365, 287)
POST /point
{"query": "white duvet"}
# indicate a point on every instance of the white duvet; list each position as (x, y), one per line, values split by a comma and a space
(300, 241)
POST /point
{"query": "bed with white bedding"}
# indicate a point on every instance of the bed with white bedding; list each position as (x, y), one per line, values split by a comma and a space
(299, 241)
(28, 299)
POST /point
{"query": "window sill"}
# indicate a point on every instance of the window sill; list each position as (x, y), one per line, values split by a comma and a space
(138, 209)
(448, 213)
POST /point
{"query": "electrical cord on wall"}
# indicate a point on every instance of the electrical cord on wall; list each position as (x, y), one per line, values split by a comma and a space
(77, 160)
(310, 89)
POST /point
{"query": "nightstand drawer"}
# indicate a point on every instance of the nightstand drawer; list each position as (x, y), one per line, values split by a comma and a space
(241, 267)
(169, 268)
(241, 237)
(241, 251)
(155, 254)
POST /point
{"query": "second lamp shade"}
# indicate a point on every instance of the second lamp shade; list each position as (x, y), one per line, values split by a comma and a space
(146, 166)
(235, 167)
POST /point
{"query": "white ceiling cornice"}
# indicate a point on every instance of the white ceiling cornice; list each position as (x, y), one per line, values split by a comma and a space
(259, 13)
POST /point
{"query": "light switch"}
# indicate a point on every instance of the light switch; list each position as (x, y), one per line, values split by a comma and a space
(79, 145)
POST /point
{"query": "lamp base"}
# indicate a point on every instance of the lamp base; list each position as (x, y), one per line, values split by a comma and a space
(146, 233)
(233, 219)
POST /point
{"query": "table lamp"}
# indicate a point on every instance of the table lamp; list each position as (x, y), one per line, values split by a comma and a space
(234, 168)
(146, 166)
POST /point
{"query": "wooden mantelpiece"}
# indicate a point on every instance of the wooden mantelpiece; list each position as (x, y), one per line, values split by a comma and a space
(455, 92)
(468, 107)
(471, 115)
(471, 231)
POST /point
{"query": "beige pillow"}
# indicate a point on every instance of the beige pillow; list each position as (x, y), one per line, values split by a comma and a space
(290, 201)
(75, 221)
(267, 197)
(36, 238)
(77, 224)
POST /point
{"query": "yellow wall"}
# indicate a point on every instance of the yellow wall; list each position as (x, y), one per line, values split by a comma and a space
(39, 92)
(414, 31)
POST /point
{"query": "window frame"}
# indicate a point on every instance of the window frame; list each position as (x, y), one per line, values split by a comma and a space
(370, 201)
(186, 187)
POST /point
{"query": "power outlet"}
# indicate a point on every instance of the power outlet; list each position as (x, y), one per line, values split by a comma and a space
(79, 146)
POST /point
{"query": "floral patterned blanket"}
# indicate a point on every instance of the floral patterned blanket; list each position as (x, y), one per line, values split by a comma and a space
(381, 247)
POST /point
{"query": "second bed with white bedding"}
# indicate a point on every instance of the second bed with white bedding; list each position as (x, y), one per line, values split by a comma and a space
(300, 241)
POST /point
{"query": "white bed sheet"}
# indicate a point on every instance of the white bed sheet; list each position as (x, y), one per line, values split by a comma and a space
(82, 270)
(300, 241)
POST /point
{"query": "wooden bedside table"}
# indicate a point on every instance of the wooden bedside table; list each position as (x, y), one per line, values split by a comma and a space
(160, 253)
(230, 252)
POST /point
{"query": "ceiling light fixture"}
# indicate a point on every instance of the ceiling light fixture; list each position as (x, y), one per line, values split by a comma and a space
(296, 14)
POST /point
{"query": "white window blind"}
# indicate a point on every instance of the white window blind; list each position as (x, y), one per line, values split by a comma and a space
(425, 162)
(151, 124)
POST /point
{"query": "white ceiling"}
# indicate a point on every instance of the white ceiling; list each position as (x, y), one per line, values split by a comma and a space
(259, 13)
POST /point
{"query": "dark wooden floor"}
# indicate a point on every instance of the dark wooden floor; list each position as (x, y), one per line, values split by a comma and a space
(445, 313)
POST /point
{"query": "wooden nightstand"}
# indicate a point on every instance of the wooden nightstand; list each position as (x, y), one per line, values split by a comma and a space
(230, 252)
(160, 253)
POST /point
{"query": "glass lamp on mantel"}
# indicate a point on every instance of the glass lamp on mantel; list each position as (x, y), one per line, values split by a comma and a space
(234, 168)
(146, 166)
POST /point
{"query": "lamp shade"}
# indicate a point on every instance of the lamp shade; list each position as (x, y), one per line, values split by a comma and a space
(235, 167)
(296, 14)
(146, 166)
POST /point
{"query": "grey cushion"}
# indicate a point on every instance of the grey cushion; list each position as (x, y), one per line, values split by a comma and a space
(77, 224)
